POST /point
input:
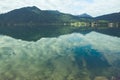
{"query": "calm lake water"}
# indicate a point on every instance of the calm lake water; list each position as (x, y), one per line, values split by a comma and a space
(34, 33)
(67, 55)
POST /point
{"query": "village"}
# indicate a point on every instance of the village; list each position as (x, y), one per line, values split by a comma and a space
(96, 24)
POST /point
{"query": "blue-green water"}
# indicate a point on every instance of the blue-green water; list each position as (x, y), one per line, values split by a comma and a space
(67, 57)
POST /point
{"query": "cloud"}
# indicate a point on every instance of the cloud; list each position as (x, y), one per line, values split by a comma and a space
(92, 7)
(100, 7)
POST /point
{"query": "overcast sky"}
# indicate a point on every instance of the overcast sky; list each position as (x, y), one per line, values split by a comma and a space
(76, 7)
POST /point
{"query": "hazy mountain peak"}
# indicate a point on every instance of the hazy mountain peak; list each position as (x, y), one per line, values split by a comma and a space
(30, 7)
(33, 9)
(85, 15)
(24, 10)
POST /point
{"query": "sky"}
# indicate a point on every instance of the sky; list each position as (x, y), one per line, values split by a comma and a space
(75, 7)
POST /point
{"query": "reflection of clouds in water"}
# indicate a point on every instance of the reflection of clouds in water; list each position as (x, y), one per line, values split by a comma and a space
(48, 47)
(96, 40)
(24, 56)
(104, 42)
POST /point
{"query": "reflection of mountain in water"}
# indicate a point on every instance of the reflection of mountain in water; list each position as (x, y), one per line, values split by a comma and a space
(34, 33)
(68, 57)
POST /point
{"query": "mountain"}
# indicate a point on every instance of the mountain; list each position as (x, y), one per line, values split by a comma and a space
(114, 17)
(33, 15)
(22, 15)
(85, 15)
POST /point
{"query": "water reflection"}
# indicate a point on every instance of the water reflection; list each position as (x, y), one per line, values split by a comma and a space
(67, 57)
(33, 33)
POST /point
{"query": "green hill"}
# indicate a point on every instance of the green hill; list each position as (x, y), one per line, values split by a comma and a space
(33, 15)
(114, 17)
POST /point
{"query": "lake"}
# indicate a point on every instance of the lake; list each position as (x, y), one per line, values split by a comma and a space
(34, 33)
(68, 57)
(67, 54)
